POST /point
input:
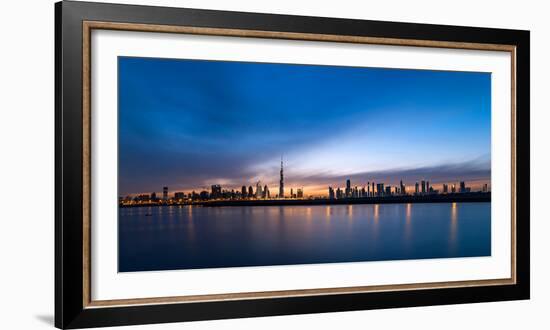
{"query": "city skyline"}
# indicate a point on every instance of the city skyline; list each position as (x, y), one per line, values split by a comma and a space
(192, 124)
(260, 191)
(409, 186)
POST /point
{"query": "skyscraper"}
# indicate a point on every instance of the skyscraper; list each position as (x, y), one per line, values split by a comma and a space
(243, 191)
(216, 191)
(380, 189)
(348, 188)
(282, 182)
(330, 193)
(250, 192)
(164, 193)
(258, 190)
(416, 188)
(423, 186)
(462, 187)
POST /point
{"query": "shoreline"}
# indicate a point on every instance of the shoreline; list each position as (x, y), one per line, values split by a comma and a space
(477, 197)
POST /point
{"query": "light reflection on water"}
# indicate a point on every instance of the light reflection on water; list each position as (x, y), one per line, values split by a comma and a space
(181, 237)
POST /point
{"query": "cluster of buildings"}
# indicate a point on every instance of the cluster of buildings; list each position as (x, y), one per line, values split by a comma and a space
(216, 193)
(373, 189)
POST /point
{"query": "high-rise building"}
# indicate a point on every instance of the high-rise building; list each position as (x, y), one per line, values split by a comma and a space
(445, 188)
(416, 188)
(179, 195)
(250, 192)
(282, 182)
(485, 188)
(243, 191)
(428, 186)
(215, 191)
(291, 192)
(401, 187)
(462, 187)
(453, 188)
(368, 189)
(258, 190)
(300, 193)
(164, 193)
(331, 193)
(339, 193)
(423, 183)
(372, 191)
(348, 188)
(380, 189)
(388, 190)
(265, 193)
(153, 196)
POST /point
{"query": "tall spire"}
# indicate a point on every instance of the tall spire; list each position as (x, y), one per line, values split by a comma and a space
(281, 181)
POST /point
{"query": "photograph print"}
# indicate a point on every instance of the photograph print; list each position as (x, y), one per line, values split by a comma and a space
(240, 164)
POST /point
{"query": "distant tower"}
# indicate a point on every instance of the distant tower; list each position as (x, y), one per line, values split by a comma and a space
(165, 193)
(330, 193)
(282, 182)
(250, 192)
(258, 190)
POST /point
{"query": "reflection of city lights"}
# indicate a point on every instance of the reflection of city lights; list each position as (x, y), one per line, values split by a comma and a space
(454, 223)
(376, 212)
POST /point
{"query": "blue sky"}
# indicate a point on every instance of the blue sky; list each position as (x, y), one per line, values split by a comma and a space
(188, 124)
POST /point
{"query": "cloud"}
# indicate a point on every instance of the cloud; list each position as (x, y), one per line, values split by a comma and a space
(478, 169)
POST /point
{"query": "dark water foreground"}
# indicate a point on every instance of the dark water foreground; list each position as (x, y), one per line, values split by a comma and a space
(184, 237)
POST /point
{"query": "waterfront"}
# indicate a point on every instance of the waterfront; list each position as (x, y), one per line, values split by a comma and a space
(185, 237)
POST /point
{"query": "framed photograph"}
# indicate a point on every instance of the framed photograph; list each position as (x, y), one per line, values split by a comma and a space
(215, 164)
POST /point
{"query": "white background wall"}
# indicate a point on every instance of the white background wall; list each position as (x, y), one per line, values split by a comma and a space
(27, 163)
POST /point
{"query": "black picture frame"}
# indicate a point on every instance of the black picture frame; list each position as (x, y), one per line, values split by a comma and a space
(70, 310)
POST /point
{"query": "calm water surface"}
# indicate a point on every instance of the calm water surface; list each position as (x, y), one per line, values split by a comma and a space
(183, 237)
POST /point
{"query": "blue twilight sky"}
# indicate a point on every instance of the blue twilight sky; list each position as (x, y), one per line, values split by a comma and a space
(188, 124)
